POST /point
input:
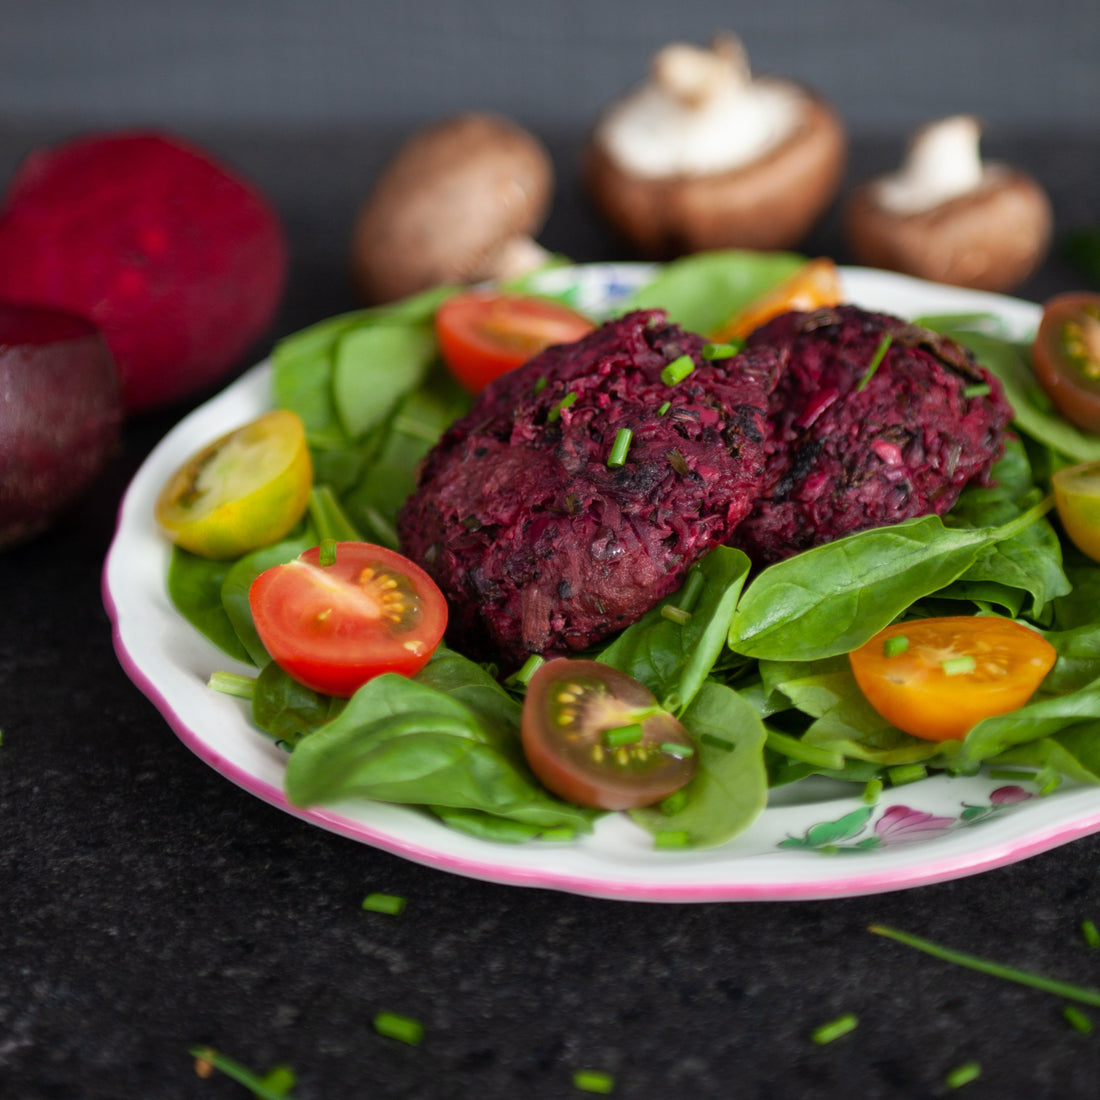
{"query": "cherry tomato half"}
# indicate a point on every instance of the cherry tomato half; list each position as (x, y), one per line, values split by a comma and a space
(813, 285)
(1077, 498)
(245, 490)
(937, 678)
(483, 335)
(596, 737)
(1066, 355)
(334, 627)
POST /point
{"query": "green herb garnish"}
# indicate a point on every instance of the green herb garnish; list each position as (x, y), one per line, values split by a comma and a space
(834, 1029)
(391, 904)
(568, 400)
(1022, 977)
(1077, 1019)
(895, 646)
(403, 1028)
(232, 683)
(963, 1075)
(665, 406)
(722, 351)
(958, 666)
(593, 1080)
(671, 838)
(619, 448)
(677, 370)
(906, 773)
(979, 390)
(274, 1085)
(876, 361)
(795, 749)
(623, 735)
(522, 675)
(326, 552)
(1091, 933)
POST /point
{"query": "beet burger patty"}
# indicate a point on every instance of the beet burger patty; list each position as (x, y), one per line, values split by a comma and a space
(538, 543)
(873, 421)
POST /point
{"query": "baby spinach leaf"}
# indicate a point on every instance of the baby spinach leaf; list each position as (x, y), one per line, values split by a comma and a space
(671, 659)
(730, 788)
(476, 823)
(288, 710)
(1073, 752)
(398, 740)
(195, 586)
(703, 290)
(832, 598)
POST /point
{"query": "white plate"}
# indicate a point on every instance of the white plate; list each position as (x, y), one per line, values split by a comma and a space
(816, 838)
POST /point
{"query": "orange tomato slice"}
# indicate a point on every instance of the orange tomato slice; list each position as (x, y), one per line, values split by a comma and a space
(812, 286)
(937, 678)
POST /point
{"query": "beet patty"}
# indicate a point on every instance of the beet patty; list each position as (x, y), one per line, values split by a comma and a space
(850, 448)
(538, 545)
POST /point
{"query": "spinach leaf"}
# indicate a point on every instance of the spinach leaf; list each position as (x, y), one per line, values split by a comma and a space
(288, 710)
(831, 599)
(730, 789)
(702, 291)
(483, 826)
(673, 660)
(195, 587)
(1074, 753)
(399, 740)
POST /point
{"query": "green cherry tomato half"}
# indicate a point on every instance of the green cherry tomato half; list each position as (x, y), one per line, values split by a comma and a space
(597, 737)
(1066, 356)
(333, 627)
(1077, 498)
(245, 490)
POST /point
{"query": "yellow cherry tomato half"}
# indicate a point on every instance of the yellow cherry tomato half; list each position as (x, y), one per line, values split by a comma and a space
(813, 285)
(1077, 498)
(243, 491)
(938, 678)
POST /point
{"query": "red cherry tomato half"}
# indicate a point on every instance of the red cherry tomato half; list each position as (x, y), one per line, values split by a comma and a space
(596, 737)
(937, 678)
(483, 335)
(334, 627)
(1066, 355)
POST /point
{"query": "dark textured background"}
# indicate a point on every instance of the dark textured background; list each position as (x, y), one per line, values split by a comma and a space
(147, 904)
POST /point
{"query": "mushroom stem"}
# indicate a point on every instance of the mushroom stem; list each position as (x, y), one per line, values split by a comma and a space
(943, 162)
(695, 77)
(517, 257)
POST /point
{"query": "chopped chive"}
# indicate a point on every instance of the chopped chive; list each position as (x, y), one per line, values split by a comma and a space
(906, 773)
(980, 390)
(392, 904)
(540, 385)
(674, 803)
(558, 833)
(403, 1028)
(692, 590)
(523, 674)
(326, 552)
(664, 408)
(275, 1085)
(717, 742)
(593, 1080)
(722, 351)
(795, 749)
(1048, 780)
(568, 400)
(676, 615)
(677, 370)
(958, 666)
(623, 735)
(895, 646)
(872, 790)
(1049, 985)
(671, 838)
(1091, 933)
(1077, 1019)
(963, 1075)
(876, 360)
(232, 683)
(677, 749)
(619, 448)
(834, 1029)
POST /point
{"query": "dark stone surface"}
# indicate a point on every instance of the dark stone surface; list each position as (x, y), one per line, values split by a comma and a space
(148, 904)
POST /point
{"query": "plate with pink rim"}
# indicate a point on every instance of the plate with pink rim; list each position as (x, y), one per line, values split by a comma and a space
(936, 829)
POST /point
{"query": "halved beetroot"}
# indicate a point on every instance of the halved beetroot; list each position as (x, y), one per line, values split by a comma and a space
(180, 263)
(60, 413)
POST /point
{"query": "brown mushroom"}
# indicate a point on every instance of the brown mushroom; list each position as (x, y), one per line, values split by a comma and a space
(949, 217)
(458, 203)
(704, 155)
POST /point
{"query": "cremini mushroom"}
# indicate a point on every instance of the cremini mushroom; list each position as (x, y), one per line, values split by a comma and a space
(705, 155)
(459, 203)
(948, 216)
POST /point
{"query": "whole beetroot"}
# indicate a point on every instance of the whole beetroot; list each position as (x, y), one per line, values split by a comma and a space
(59, 415)
(179, 263)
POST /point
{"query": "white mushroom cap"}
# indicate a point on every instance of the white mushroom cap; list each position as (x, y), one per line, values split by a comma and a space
(458, 203)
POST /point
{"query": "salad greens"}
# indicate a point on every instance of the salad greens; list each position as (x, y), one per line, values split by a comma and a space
(757, 670)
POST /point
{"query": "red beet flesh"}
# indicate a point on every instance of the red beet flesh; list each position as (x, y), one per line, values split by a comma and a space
(60, 413)
(179, 263)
